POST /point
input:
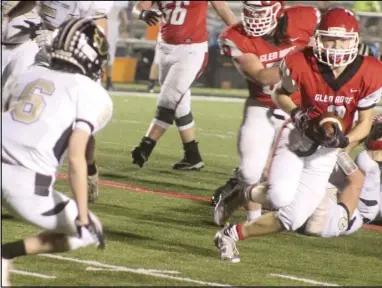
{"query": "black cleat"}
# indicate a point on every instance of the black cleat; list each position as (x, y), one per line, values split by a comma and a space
(138, 157)
(141, 153)
(185, 164)
(223, 190)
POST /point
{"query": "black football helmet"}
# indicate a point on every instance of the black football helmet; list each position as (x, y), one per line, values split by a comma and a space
(81, 43)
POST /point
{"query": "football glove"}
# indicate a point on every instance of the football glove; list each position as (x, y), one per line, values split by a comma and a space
(44, 38)
(300, 118)
(151, 17)
(338, 140)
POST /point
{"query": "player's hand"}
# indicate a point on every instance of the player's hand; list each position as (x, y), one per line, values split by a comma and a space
(94, 227)
(44, 38)
(338, 140)
(151, 17)
(300, 118)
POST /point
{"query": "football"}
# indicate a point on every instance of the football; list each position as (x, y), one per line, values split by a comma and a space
(327, 119)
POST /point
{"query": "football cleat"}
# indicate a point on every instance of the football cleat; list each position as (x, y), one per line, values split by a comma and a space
(186, 165)
(93, 189)
(224, 189)
(229, 203)
(225, 241)
(138, 157)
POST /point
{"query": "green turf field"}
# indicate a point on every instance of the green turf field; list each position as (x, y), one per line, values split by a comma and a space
(164, 239)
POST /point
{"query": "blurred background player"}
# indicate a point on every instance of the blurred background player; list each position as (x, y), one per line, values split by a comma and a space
(117, 21)
(184, 55)
(17, 48)
(68, 106)
(256, 46)
(154, 68)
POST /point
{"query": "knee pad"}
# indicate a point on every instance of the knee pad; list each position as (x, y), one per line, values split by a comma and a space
(185, 122)
(164, 117)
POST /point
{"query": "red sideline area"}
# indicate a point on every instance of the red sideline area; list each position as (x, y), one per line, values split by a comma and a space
(133, 188)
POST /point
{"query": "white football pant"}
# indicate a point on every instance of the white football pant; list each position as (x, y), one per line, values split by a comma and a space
(30, 197)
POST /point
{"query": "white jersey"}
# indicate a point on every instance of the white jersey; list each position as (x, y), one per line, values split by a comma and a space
(17, 30)
(36, 131)
(54, 13)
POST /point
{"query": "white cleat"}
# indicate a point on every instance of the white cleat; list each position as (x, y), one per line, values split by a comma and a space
(227, 246)
(93, 190)
(6, 265)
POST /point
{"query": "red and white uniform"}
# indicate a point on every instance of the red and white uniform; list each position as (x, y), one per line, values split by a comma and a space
(183, 22)
(260, 125)
(183, 55)
(358, 87)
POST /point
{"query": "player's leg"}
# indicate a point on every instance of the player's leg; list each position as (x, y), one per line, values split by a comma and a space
(112, 38)
(183, 116)
(179, 66)
(370, 201)
(184, 121)
(34, 201)
(93, 187)
(154, 71)
(283, 186)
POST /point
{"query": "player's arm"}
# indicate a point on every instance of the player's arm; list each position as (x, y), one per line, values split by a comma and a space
(78, 170)
(363, 126)
(20, 8)
(248, 64)
(142, 10)
(124, 21)
(224, 12)
(284, 89)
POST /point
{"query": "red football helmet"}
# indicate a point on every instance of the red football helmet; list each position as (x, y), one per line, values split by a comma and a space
(260, 17)
(337, 23)
(374, 140)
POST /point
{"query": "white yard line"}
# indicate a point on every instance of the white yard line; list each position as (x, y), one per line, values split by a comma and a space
(305, 280)
(33, 274)
(142, 271)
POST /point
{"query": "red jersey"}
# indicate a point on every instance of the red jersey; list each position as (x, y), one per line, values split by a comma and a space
(183, 22)
(359, 87)
(300, 23)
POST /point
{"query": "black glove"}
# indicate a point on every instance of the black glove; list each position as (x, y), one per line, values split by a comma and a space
(300, 118)
(151, 17)
(338, 140)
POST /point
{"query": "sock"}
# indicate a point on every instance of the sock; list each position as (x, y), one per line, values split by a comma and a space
(151, 84)
(253, 214)
(12, 250)
(147, 144)
(239, 231)
(92, 169)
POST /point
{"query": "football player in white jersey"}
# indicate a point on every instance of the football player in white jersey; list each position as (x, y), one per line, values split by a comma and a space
(17, 49)
(116, 21)
(53, 14)
(61, 106)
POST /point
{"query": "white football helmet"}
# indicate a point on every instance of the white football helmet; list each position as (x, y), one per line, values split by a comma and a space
(260, 17)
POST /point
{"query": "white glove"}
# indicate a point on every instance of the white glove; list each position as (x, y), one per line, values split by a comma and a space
(44, 38)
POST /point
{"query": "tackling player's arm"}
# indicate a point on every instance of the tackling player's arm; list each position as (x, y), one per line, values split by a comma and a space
(78, 170)
(224, 12)
(248, 64)
(363, 126)
(252, 68)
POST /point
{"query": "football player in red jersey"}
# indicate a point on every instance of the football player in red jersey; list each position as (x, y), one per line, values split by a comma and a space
(183, 52)
(330, 76)
(256, 46)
